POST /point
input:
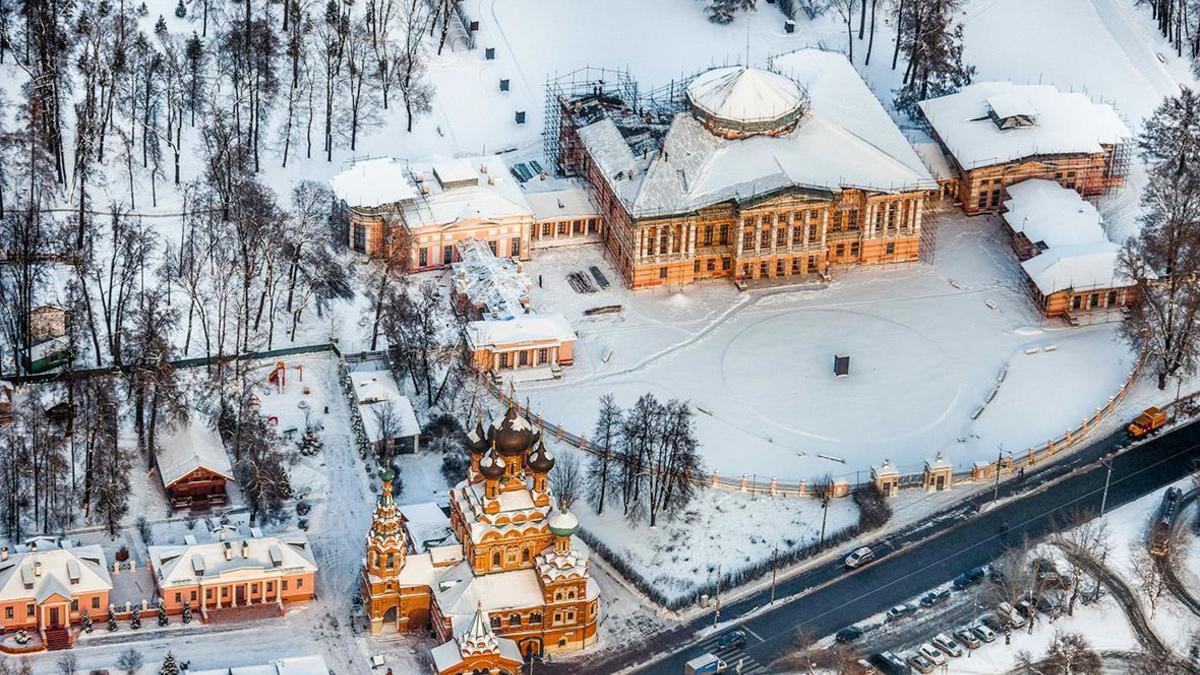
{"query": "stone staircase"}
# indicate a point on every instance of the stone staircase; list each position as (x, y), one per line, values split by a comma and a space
(58, 638)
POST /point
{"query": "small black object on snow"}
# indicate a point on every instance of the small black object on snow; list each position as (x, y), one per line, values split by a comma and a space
(841, 366)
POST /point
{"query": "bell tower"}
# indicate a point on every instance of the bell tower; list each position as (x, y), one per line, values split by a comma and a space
(385, 556)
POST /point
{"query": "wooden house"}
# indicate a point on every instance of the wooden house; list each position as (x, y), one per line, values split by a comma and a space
(193, 465)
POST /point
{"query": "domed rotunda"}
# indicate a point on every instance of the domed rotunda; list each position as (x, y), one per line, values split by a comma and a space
(738, 101)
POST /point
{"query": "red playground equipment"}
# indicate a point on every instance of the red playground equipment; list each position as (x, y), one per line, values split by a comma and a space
(278, 376)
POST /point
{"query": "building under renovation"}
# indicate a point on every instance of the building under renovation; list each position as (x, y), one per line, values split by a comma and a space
(742, 172)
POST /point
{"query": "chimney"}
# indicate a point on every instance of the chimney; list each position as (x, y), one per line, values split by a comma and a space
(483, 168)
(228, 551)
(245, 549)
(3, 553)
(37, 568)
(491, 181)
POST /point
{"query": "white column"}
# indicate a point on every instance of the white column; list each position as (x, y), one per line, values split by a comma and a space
(740, 236)
(758, 235)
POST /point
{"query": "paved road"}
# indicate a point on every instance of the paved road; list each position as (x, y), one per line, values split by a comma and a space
(926, 555)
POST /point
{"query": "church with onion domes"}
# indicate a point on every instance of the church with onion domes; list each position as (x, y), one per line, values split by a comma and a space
(514, 584)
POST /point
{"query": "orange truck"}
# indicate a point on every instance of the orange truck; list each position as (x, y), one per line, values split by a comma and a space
(1148, 422)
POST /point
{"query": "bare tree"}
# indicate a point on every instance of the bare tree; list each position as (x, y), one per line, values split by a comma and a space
(67, 664)
(565, 478)
(1068, 654)
(387, 428)
(130, 661)
(1086, 539)
(410, 68)
(602, 468)
(1148, 574)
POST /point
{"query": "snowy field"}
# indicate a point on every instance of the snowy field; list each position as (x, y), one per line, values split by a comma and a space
(757, 366)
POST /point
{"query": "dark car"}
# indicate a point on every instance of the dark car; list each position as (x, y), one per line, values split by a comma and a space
(968, 578)
(732, 640)
(848, 634)
(934, 597)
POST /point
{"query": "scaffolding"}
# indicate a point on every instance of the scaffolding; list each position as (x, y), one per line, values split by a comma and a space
(589, 94)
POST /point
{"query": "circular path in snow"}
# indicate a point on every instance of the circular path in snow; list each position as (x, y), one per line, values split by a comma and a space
(780, 370)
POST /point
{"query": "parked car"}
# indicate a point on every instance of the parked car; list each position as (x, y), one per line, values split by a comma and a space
(967, 638)
(1026, 609)
(735, 639)
(863, 667)
(889, 663)
(983, 632)
(1009, 614)
(859, 557)
(921, 664)
(934, 597)
(968, 578)
(931, 652)
(947, 644)
(848, 634)
(900, 611)
(1049, 604)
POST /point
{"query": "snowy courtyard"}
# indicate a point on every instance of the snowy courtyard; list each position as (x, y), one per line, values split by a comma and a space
(927, 344)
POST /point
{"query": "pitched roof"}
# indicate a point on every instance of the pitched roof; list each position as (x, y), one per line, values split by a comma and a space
(1082, 267)
(1063, 123)
(1051, 215)
(370, 183)
(191, 445)
(186, 564)
(522, 329)
(54, 567)
(845, 140)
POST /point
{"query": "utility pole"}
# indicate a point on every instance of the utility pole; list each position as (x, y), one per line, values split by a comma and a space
(824, 512)
(717, 604)
(774, 553)
(1107, 478)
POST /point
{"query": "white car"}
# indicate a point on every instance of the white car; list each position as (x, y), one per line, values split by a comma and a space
(947, 644)
(983, 632)
(861, 556)
(932, 653)
(1009, 614)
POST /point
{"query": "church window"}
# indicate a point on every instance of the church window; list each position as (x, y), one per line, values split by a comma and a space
(557, 617)
(391, 560)
(571, 595)
(514, 620)
(571, 616)
(524, 555)
(496, 559)
(557, 596)
(535, 618)
(495, 622)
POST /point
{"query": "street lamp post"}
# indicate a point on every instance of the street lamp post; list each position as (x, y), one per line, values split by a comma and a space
(1107, 478)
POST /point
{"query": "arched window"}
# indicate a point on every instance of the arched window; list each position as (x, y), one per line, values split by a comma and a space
(495, 622)
(495, 558)
(535, 618)
(524, 555)
(514, 620)
(557, 596)
(571, 595)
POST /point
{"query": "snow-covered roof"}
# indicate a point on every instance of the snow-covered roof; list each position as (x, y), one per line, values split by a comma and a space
(845, 140)
(1066, 123)
(742, 94)
(425, 522)
(371, 183)
(295, 665)
(1051, 215)
(459, 592)
(496, 285)
(533, 328)
(573, 202)
(375, 389)
(472, 188)
(934, 157)
(46, 566)
(252, 556)
(188, 446)
(1082, 267)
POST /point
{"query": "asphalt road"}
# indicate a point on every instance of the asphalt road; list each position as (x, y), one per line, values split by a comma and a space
(925, 556)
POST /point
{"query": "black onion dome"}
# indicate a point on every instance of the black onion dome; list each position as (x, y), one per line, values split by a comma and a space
(477, 440)
(492, 465)
(514, 435)
(540, 460)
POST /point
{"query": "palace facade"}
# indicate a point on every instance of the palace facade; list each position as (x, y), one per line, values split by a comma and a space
(756, 175)
(515, 565)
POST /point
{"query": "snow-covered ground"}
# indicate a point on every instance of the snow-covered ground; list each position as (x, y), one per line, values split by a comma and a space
(758, 365)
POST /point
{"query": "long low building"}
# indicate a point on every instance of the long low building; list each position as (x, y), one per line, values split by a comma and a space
(526, 344)
(998, 133)
(234, 572)
(757, 174)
